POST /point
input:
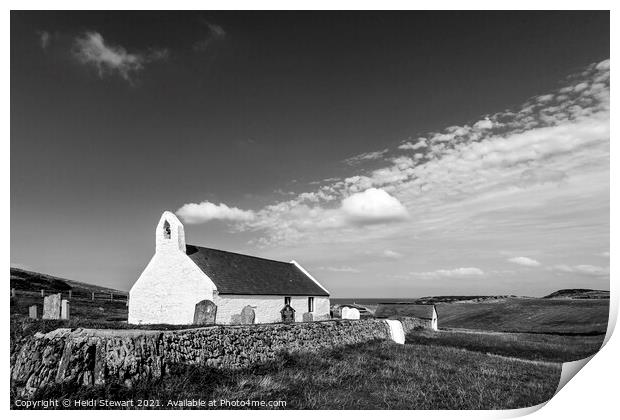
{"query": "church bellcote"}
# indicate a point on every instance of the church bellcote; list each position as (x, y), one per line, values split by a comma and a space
(170, 234)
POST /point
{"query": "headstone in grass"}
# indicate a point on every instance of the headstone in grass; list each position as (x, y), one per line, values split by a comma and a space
(288, 313)
(64, 309)
(32, 312)
(235, 319)
(51, 306)
(307, 317)
(204, 312)
(350, 313)
(248, 315)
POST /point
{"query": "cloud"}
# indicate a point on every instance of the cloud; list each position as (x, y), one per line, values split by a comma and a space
(528, 262)
(373, 206)
(91, 49)
(215, 33)
(44, 39)
(343, 269)
(585, 269)
(411, 146)
(356, 160)
(206, 211)
(538, 172)
(455, 272)
(388, 253)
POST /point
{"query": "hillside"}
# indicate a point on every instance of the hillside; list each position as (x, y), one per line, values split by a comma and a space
(578, 294)
(31, 281)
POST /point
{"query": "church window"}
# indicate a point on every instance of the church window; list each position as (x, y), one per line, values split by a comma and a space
(287, 300)
(311, 304)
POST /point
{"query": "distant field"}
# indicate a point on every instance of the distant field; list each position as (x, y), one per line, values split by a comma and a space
(541, 347)
(555, 316)
(379, 375)
(529, 315)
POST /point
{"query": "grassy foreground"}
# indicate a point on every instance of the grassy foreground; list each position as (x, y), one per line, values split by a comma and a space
(377, 375)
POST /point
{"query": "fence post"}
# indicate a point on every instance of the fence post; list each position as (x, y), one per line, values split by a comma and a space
(13, 292)
(42, 293)
(111, 297)
(70, 294)
(92, 296)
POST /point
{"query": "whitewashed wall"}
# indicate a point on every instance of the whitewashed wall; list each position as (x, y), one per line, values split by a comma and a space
(267, 308)
(171, 284)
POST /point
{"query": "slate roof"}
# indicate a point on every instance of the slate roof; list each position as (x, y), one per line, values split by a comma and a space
(405, 309)
(238, 274)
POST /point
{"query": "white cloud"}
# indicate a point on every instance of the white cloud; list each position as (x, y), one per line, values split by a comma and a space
(411, 146)
(206, 211)
(528, 262)
(388, 253)
(454, 272)
(485, 124)
(91, 49)
(373, 206)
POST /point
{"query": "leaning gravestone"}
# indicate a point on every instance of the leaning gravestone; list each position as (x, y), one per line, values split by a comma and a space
(51, 306)
(32, 312)
(288, 314)
(64, 309)
(307, 317)
(205, 312)
(248, 315)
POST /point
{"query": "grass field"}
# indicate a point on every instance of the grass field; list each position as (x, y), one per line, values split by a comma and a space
(378, 375)
(527, 315)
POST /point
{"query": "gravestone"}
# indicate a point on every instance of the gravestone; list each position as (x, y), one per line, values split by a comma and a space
(248, 315)
(64, 309)
(307, 317)
(350, 313)
(205, 312)
(288, 314)
(235, 319)
(32, 312)
(51, 306)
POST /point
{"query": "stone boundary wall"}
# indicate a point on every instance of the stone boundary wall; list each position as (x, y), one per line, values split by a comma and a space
(93, 356)
(411, 324)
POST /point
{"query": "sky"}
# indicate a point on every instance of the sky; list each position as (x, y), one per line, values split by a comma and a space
(392, 154)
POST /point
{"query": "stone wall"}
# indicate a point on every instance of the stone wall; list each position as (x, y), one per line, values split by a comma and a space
(92, 357)
(410, 324)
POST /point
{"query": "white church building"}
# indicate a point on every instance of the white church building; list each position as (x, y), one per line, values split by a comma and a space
(181, 278)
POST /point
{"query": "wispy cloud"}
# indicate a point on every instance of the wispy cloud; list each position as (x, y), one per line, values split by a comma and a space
(528, 262)
(91, 49)
(585, 269)
(388, 253)
(214, 34)
(343, 269)
(44, 39)
(453, 272)
(356, 160)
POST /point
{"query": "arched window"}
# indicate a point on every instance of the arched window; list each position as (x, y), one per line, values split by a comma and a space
(166, 230)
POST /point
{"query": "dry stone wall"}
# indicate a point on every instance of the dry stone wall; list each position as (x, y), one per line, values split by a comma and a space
(92, 357)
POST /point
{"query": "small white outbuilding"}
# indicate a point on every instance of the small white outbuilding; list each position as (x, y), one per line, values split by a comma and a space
(182, 279)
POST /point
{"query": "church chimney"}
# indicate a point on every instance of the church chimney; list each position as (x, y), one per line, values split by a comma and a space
(170, 234)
